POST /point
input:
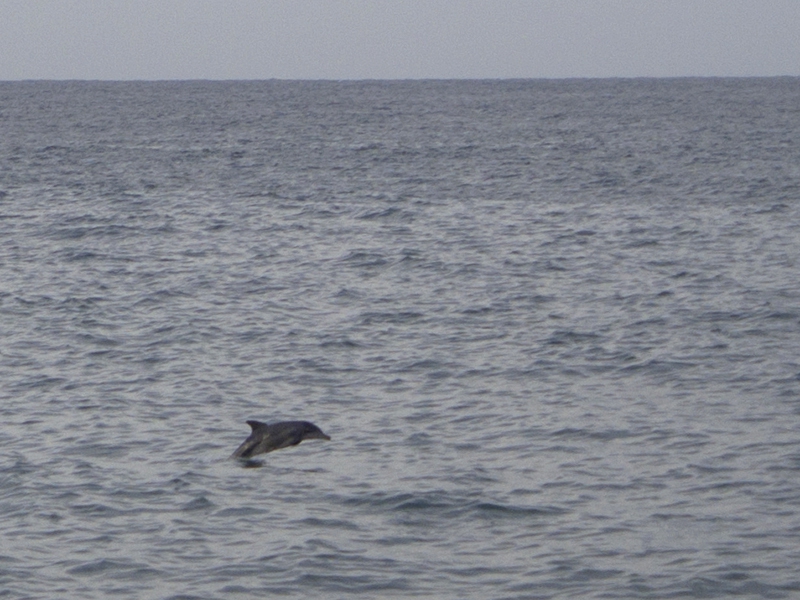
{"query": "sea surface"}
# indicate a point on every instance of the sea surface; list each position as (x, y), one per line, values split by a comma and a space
(552, 327)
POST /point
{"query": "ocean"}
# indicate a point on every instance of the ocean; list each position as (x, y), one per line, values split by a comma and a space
(552, 327)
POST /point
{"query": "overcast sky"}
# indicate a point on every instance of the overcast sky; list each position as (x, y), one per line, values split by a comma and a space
(389, 39)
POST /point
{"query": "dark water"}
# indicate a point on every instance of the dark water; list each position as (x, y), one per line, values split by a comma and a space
(553, 329)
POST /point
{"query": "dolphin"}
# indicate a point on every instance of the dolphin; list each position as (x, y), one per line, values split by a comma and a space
(266, 438)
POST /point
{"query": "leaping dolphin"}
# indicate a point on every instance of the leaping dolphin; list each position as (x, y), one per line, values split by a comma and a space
(266, 438)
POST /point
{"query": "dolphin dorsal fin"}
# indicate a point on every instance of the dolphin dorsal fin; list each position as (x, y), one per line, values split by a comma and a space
(256, 425)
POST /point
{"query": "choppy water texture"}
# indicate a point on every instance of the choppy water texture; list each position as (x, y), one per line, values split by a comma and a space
(552, 327)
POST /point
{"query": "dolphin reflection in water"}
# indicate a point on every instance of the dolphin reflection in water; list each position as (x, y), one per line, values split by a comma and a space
(266, 438)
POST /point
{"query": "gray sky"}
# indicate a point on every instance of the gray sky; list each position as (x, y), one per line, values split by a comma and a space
(388, 39)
